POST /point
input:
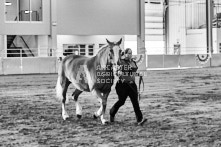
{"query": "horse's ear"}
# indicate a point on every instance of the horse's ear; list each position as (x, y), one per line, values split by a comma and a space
(108, 42)
(119, 42)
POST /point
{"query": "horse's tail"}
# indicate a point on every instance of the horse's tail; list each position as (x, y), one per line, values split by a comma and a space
(61, 76)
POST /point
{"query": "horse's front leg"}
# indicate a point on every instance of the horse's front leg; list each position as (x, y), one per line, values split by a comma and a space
(104, 105)
(103, 102)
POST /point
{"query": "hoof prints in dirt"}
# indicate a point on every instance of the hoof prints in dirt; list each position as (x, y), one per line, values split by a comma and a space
(181, 111)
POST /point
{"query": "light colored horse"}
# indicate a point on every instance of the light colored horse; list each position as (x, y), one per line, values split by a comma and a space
(93, 74)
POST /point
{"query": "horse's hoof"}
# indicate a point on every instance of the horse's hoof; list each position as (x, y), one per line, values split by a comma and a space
(65, 117)
(79, 116)
(105, 122)
(95, 117)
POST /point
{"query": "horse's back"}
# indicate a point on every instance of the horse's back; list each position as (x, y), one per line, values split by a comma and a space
(74, 61)
(72, 57)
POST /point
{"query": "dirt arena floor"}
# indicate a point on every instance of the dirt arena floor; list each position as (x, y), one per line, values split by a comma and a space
(183, 108)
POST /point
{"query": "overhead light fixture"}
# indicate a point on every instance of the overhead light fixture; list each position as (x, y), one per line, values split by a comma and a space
(27, 11)
(8, 4)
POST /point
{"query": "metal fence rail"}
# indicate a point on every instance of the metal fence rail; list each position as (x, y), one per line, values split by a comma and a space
(38, 65)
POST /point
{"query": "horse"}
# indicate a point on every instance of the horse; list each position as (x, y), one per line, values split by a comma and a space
(89, 74)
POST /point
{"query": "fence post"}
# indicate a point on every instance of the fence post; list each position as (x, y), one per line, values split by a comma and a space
(21, 66)
(163, 61)
(3, 71)
(179, 61)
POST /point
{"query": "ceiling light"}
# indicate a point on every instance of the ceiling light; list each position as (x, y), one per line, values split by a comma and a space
(27, 11)
(8, 4)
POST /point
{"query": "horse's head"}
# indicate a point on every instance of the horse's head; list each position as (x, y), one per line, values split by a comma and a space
(109, 54)
(115, 51)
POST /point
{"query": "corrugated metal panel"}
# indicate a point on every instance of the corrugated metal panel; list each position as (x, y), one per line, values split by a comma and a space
(154, 31)
(195, 13)
(154, 37)
(154, 25)
(184, 15)
(177, 26)
(153, 19)
(1, 66)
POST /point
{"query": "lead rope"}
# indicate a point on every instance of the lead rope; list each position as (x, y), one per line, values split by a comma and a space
(139, 92)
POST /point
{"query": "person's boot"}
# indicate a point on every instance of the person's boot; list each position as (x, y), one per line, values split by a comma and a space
(111, 118)
(141, 122)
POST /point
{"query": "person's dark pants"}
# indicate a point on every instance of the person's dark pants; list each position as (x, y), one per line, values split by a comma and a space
(123, 91)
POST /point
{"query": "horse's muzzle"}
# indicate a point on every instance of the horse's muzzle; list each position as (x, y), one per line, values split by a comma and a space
(119, 62)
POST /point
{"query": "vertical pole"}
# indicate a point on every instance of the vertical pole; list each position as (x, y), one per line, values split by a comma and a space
(21, 62)
(141, 27)
(53, 36)
(2, 46)
(5, 46)
(30, 11)
(165, 24)
(209, 27)
(141, 34)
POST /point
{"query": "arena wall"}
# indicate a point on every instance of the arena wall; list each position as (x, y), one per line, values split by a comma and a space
(28, 65)
(49, 65)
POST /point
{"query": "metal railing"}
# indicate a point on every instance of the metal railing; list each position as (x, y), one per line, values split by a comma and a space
(27, 52)
(21, 52)
(48, 52)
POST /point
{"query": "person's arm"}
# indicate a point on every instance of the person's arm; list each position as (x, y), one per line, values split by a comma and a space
(137, 73)
(140, 75)
(119, 68)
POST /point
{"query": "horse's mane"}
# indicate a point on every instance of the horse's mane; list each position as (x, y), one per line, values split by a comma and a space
(102, 56)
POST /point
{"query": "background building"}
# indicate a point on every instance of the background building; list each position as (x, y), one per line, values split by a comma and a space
(55, 28)
(51, 28)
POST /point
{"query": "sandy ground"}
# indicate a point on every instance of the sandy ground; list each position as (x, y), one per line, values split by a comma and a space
(183, 108)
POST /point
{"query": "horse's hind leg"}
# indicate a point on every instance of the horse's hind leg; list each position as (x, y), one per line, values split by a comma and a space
(64, 85)
(76, 94)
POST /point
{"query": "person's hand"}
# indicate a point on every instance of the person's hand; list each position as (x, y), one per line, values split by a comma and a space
(134, 58)
(119, 73)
